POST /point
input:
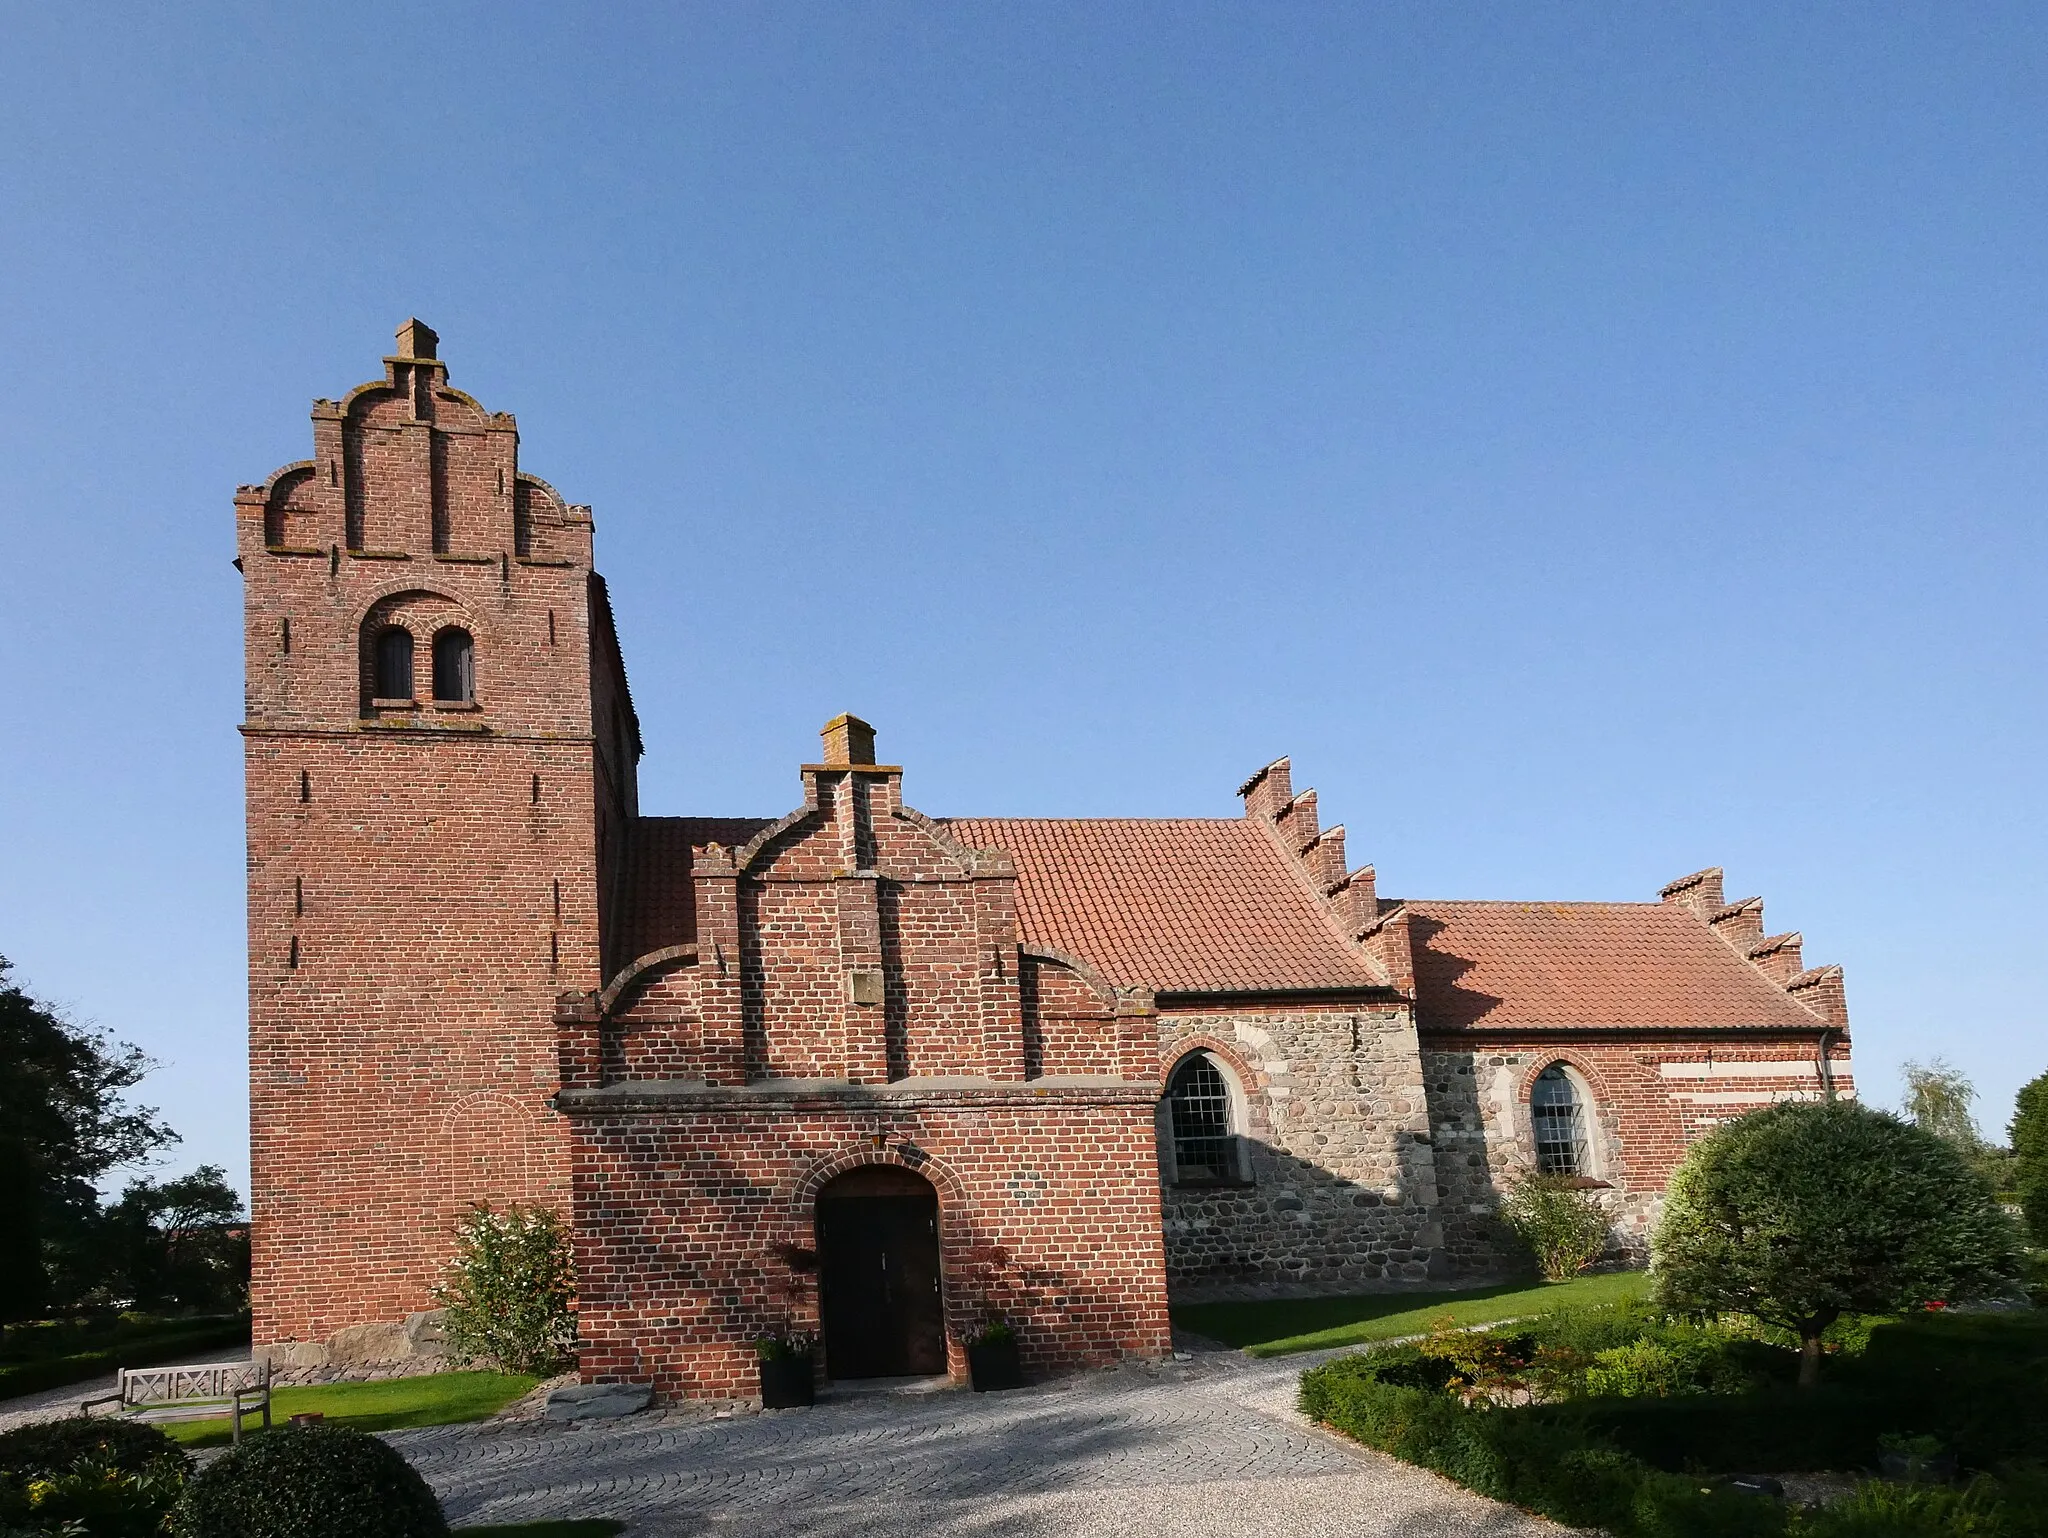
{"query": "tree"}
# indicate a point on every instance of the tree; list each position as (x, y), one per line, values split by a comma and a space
(63, 1125)
(177, 1244)
(1938, 1099)
(508, 1291)
(1805, 1211)
(2030, 1154)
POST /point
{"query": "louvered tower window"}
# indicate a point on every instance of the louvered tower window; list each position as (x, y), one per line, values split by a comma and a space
(394, 664)
(1559, 1117)
(454, 668)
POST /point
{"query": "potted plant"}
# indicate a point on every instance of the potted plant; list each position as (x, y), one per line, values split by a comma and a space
(992, 1357)
(787, 1379)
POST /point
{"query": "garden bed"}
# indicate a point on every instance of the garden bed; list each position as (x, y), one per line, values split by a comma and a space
(1618, 1420)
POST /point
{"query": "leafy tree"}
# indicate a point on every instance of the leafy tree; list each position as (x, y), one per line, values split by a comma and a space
(508, 1290)
(176, 1244)
(1805, 1211)
(63, 1125)
(1938, 1099)
(2030, 1156)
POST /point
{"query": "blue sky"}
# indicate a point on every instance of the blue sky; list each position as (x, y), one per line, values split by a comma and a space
(1595, 441)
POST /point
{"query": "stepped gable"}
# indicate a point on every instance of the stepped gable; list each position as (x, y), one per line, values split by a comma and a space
(659, 906)
(1181, 905)
(1496, 965)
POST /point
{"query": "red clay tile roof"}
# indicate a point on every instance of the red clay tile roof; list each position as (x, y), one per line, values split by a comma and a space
(659, 907)
(1176, 905)
(1583, 964)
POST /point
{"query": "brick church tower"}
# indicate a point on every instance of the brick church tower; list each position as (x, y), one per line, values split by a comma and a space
(440, 756)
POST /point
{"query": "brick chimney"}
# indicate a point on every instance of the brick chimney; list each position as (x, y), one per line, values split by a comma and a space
(848, 740)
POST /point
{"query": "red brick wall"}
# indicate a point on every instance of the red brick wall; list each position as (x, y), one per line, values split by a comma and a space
(1048, 1214)
(423, 881)
(1649, 1099)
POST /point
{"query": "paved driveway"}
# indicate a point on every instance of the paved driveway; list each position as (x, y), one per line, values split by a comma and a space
(1196, 1448)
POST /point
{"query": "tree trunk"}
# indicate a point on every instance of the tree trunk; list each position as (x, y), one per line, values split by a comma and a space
(1809, 1358)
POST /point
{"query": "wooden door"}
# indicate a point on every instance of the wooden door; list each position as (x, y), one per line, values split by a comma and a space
(878, 1273)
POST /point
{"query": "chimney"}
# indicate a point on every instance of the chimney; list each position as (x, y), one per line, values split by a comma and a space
(417, 339)
(848, 740)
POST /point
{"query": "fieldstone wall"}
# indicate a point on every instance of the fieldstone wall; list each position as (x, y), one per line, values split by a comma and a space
(1343, 1189)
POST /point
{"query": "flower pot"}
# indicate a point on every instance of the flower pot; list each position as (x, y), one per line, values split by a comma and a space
(993, 1364)
(786, 1382)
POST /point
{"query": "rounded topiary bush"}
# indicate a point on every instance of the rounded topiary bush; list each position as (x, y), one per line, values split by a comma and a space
(53, 1447)
(309, 1482)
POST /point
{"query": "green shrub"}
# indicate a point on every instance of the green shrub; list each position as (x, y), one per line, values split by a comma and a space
(1649, 1369)
(1545, 1463)
(309, 1482)
(54, 1447)
(105, 1502)
(508, 1291)
(1559, 1220)
(1881, 1509)
(1805, 1211)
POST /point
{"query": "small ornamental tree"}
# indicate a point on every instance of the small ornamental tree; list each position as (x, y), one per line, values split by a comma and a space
(2030, 1155)
(1802, 1212)
(1559, 1220)
(508, 1290)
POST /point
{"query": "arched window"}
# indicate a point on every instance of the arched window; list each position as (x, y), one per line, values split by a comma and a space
(454, 668)
(1558, 1114)
(394, 663)
(1202, 1124)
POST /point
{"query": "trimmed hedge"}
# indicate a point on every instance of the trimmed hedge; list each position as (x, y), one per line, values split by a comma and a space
(138, 1350)
(1541, 1465)
(52, 1447)
(311, 1481)
(1977, 1382)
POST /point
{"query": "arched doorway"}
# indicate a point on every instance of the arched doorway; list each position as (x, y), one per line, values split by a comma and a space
(878, 1275)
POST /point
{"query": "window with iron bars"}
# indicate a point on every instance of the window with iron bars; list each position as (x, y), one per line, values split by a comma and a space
(1205, 1151)
(1558, 1117)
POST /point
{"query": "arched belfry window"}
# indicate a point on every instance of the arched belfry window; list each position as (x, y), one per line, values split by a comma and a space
(1202, 1121)
(1557, 1114)
(394, 663)
(454, 668)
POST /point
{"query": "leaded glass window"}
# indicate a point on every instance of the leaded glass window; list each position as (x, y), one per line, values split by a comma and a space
(1198, 1100)
(1559, 1117)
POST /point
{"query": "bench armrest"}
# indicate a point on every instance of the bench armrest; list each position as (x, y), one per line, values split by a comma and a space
(85, 1406)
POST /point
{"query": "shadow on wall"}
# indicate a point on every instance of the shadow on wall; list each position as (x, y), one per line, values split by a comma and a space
(686, 1256)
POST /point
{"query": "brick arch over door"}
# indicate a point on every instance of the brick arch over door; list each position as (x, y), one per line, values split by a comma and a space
(804, 1195)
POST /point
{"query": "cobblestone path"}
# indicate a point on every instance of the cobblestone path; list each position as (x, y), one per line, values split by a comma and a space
(1201, 1448)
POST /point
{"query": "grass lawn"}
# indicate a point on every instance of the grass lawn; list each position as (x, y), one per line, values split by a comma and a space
(1313, 1324)
(441, 1399)
(596, 1527)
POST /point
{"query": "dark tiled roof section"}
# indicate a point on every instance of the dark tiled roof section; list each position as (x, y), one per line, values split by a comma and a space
(1179, 905)
(1497, 964)
(660, 907)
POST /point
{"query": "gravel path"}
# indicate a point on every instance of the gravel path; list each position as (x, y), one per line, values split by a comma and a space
(1210, 1446)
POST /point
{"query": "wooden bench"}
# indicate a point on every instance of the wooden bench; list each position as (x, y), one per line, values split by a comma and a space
(234, 1389)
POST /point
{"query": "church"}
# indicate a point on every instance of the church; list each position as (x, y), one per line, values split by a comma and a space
(850, 1066)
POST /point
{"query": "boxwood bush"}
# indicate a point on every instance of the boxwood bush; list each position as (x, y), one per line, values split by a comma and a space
(312, 1481)
(52, 1447)
(1628, 1409)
